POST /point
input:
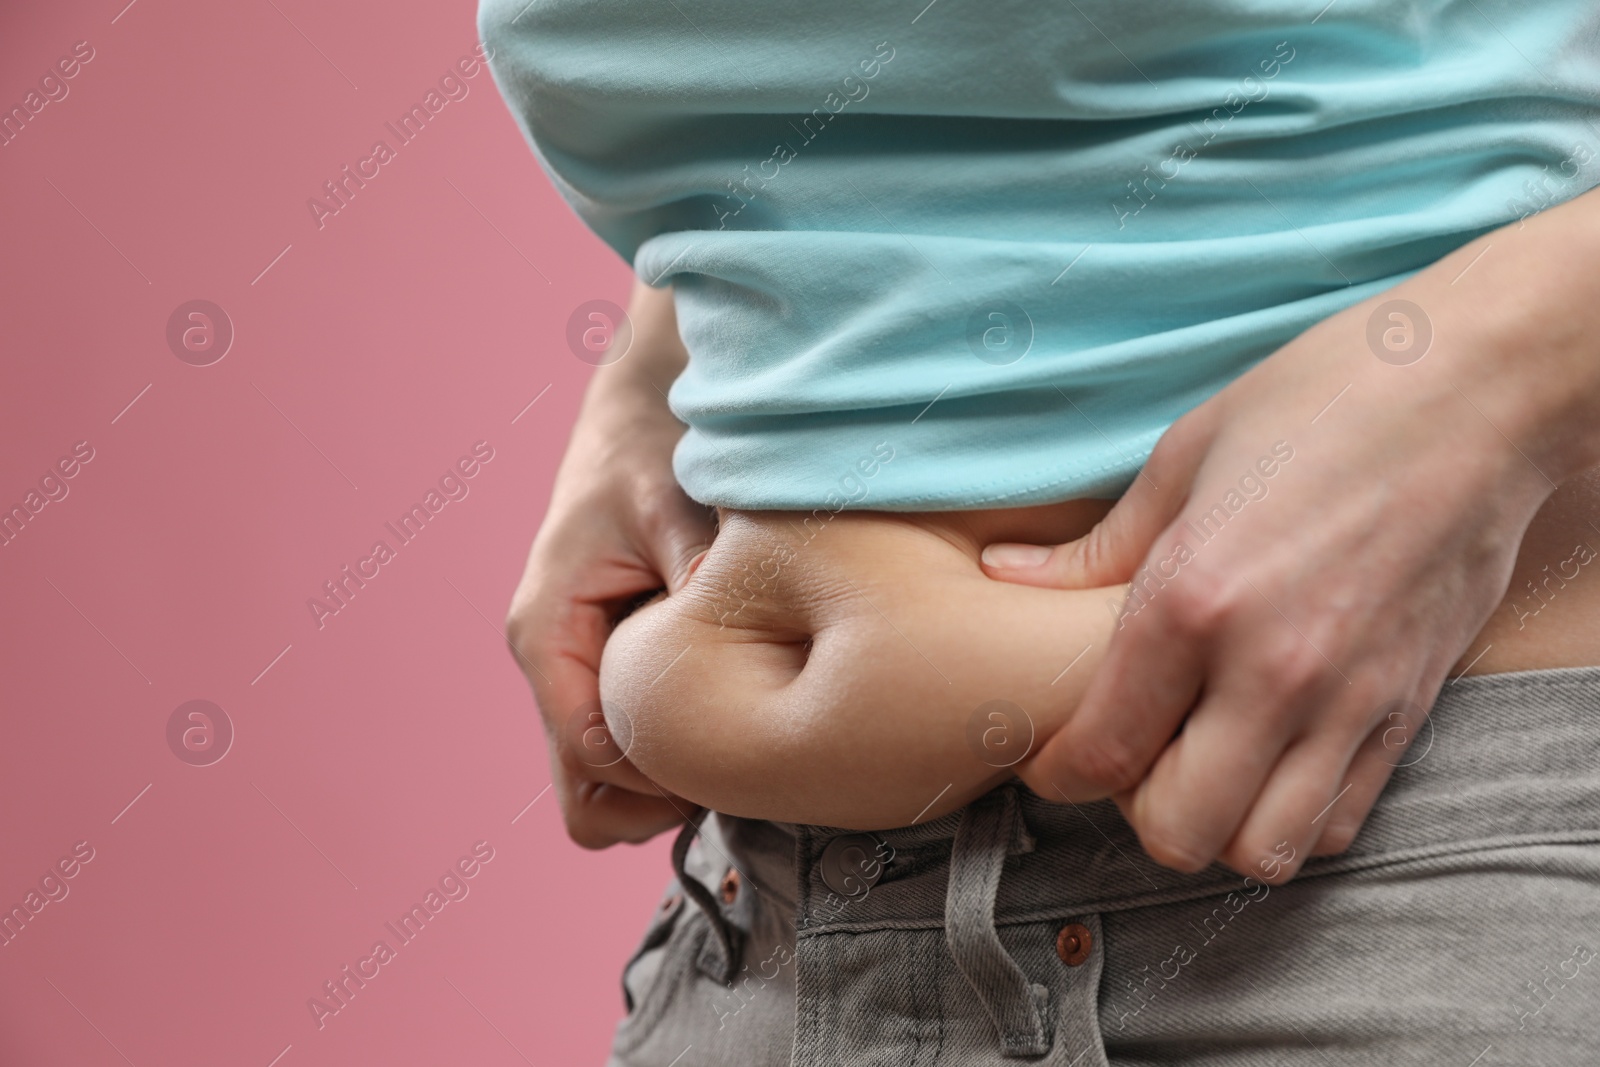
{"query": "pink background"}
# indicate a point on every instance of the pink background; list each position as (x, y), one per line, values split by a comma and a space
(377, 750)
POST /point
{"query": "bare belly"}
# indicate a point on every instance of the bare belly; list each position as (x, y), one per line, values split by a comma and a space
(814, 641)
(1549, 617)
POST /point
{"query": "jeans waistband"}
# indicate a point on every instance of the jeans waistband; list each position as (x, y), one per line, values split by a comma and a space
(1504, 759)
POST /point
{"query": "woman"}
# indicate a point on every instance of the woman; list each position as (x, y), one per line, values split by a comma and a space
(956, 302)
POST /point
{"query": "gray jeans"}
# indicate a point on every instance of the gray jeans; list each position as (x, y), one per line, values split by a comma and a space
(1459, 930)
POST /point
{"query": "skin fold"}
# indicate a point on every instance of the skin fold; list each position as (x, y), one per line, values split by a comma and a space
(828, 671)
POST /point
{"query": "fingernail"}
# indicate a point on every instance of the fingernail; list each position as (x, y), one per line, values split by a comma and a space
(1013, 556)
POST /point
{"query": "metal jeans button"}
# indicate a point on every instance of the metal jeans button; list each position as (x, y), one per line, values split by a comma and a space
(852, 864)
(1074, 943)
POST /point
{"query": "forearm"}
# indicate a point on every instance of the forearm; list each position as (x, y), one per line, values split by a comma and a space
(624, 426)
(618, 462)
(654, 354)
(1516, 317)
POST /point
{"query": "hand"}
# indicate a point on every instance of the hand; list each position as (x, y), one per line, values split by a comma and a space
(1319, 540)
(618, 526)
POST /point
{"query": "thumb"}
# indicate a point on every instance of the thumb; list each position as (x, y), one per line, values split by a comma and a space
(674, 535)
(1110, 552)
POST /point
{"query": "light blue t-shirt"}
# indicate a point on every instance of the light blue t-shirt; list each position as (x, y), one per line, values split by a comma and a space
(1007, 243)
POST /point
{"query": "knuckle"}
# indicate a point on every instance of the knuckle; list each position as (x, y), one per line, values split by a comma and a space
(1099, 553)
(1203, 601)
(1179, 449)
(1181, 440)
(1376, 730)
(1088, 555)
(1395, 721)
(1298, 669)
(585, 835)
(519, 629)
(658, 508)
(1171, 847)
(529, 626)
(1107, 763)
(521, 612)
(1280, 874)
(1036, 775)
(579, 816)
(1338, 837)
(1264, 859)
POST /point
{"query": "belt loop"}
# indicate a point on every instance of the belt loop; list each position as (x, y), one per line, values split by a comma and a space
(725, 949)
(992, 828)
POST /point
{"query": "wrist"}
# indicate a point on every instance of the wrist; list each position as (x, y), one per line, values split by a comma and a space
(638, 381)
(1518, 325)
(629, 403)
(631, 390)
(624, 436)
